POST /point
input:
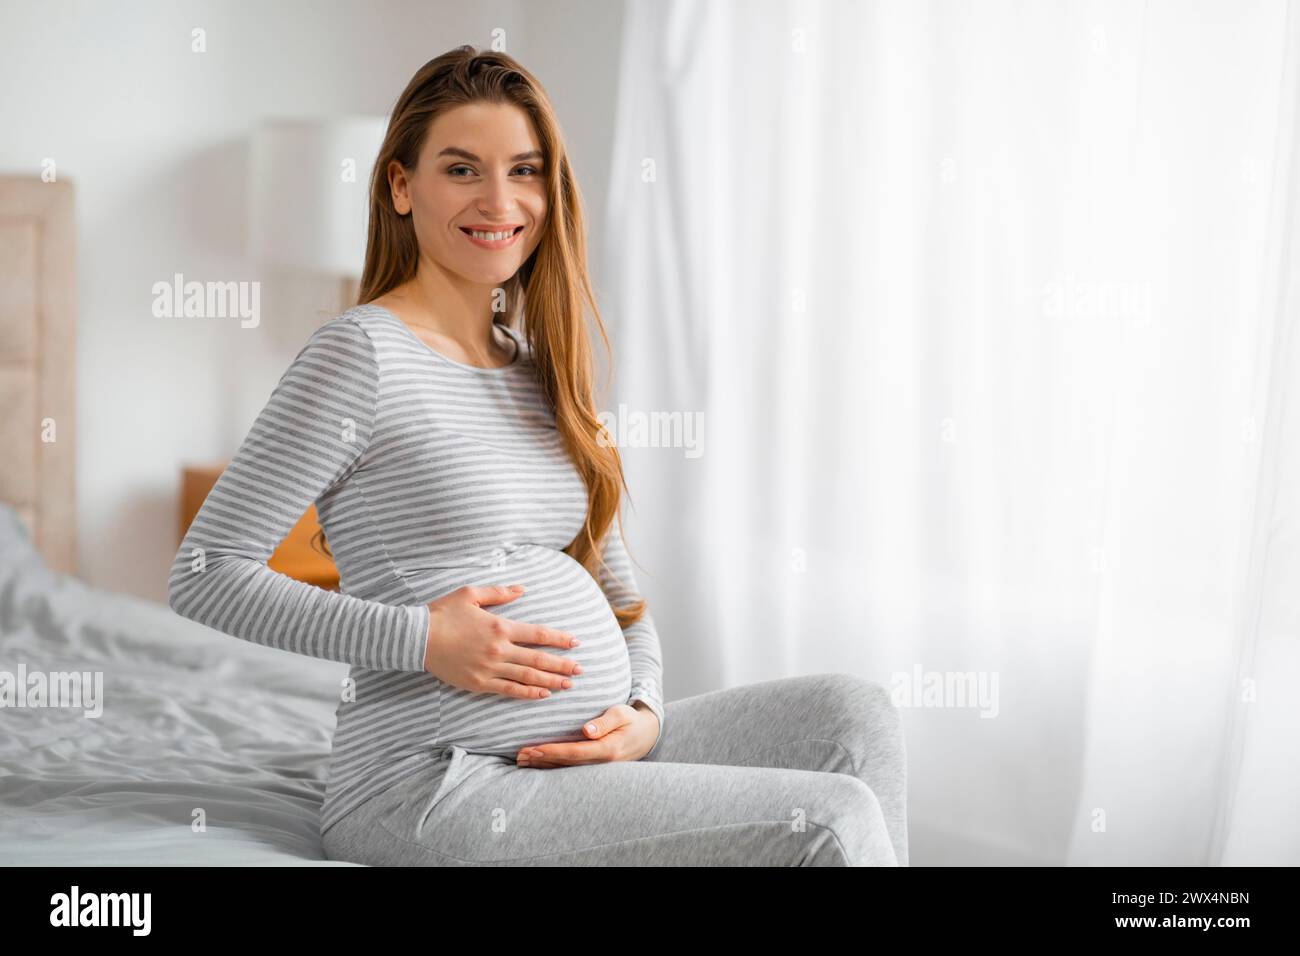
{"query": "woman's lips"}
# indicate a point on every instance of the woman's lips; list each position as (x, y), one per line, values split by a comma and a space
(492, 244)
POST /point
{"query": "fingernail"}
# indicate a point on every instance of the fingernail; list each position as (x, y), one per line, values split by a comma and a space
(591, 728)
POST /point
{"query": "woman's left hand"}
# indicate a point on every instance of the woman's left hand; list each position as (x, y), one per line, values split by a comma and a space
(624, 732)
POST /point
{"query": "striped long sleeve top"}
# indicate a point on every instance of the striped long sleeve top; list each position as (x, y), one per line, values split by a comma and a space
(427, 474)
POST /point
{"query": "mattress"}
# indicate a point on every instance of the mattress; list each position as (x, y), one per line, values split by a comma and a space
(158, 741)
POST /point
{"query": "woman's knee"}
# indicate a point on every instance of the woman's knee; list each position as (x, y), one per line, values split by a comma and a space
(860, 705)
(856, 693)
(849, 827)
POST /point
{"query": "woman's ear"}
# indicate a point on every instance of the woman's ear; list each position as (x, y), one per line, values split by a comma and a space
(397, 185)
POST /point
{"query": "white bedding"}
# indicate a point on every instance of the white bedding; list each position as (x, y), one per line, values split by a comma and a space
(192, 718)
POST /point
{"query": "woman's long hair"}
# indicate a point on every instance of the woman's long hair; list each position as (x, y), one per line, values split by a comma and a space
(548, 291)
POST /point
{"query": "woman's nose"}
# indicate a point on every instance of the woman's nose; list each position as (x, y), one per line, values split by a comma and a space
(496, 195)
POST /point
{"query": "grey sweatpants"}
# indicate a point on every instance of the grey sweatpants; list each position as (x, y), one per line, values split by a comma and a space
(798, 771)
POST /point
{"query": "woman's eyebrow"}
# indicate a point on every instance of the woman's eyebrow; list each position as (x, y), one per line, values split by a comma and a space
(466, 154)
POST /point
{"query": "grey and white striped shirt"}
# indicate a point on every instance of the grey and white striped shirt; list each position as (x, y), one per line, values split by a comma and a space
(427, 474)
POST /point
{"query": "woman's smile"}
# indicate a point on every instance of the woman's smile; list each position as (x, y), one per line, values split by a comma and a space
(492, 238)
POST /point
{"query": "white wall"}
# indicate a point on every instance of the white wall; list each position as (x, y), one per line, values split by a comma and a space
(155, 138)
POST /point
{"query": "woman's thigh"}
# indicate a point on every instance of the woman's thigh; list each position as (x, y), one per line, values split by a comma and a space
(799, 770)
(829, 722)
(635, 813)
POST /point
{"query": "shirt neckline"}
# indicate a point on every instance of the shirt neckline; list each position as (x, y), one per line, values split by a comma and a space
(496, 369)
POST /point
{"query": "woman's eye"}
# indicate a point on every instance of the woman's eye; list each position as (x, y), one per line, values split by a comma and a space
(452, 171)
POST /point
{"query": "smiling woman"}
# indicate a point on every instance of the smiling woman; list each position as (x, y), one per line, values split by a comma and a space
(445, 427)
(476, 197)
(421, 423)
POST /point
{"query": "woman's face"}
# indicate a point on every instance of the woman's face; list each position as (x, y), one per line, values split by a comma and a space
(479, 174)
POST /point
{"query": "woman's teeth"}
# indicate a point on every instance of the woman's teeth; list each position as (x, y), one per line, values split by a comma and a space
(492, 236)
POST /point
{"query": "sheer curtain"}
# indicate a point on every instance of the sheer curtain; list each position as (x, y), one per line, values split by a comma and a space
(986, 314)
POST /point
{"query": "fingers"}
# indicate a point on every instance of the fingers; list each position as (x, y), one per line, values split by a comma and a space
(519, 669)
(567, 755)
(509, 688)
(528, 634)
(539, 759)
(539, 764)
(601, 746)
(521, 674)
(535, 671)
(539, 634)
(491, 594)
(617, 716)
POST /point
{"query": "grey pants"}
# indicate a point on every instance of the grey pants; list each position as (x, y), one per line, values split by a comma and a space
(799, 771)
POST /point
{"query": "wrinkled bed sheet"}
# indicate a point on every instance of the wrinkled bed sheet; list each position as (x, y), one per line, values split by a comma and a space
(192, 719)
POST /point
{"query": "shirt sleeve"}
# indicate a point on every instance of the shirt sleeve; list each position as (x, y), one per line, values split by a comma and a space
(309, 436)
(643, 646)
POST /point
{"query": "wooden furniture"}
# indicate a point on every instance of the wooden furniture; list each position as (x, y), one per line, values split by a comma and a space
(295, 555)
(38, 349)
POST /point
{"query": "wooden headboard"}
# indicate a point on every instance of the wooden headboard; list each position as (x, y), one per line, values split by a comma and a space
(38, 351)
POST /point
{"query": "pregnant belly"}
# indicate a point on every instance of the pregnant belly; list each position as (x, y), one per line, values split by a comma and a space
(558, 593)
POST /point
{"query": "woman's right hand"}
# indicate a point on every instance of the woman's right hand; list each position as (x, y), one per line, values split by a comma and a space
(479, 651)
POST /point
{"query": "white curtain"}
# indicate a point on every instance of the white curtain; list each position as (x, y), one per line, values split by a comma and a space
(988, 311)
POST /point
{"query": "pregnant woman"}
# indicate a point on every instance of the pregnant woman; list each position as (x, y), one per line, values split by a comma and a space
(505, 700)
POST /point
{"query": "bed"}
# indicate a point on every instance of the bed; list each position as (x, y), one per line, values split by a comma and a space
(191, 722)
(207, 750)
